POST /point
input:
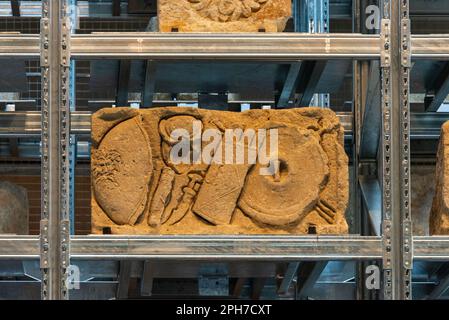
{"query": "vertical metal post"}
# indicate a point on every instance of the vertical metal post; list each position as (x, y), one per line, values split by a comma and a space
(405, 219)
(397, 264)
(357, 111)
(55, 63)
(312, 16)
(72, 100)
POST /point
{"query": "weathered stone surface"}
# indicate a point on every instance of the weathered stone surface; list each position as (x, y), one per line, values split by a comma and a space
(223, 15)
(422, 192)
(139, 189)
(13, 209)
(439, 215)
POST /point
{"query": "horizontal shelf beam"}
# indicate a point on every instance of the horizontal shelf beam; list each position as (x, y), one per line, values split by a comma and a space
(287, 47)
(263, 248)
(16, 124)
(266, 248)
(432, 47)
(431, 248)
(20, 46)
(19, 247)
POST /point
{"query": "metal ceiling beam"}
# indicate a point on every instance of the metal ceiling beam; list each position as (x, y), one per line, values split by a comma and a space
(124, 279)
(286, 99)
(15, 8)
(288, 278)
(308, 274)
(257, 286)
(440, 89)
(440, 288)
(149, 84)
(311, 72)
(372, 199)
(124, 72)
(146, 285)
(371, 125)
(238, 287)
(116, 8)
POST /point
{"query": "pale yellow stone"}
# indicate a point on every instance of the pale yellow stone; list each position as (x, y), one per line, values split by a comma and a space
(139, 190)
(223, 15)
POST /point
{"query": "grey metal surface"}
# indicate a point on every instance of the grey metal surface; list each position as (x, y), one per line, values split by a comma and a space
(19, 247)
(252, 80)
(19, 46)
(265, 47)
(308, 275)
(434, 248)
(424, 125)
(371, 126)
(18, 124)
(440, 88)
(266, 248)
(288, 277)
(434, 47)
(372, 198)
(55, 136)
(263, 248)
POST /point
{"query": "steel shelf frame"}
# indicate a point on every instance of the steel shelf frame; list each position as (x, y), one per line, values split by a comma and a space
(262, 47)
(56, 46)
(264, 248)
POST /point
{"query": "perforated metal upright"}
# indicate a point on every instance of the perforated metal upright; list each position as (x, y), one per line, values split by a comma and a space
(396, 225)
(55, 224)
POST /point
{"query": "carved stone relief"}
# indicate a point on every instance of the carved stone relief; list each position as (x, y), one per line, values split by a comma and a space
(139, 187)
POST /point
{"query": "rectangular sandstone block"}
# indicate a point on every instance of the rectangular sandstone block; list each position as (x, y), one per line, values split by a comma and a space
(439, 216)
(196, 171)
(223, 15)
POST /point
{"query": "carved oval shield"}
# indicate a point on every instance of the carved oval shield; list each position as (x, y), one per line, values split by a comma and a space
(121, 172)
(292, 192)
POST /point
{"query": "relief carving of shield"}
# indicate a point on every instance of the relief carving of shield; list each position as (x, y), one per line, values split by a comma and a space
(289, 195)
(121, 172)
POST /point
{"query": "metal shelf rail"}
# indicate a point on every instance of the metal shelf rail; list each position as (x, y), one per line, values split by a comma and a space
(262, 47)
(264, 248)
(56, 46)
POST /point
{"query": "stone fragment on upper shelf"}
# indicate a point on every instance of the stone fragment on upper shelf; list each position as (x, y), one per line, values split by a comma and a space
(223, 15)
(439, 215)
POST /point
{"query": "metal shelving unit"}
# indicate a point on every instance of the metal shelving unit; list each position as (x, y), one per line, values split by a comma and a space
(390, 54)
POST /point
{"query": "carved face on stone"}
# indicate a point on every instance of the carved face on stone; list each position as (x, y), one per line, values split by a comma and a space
(227, 10)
